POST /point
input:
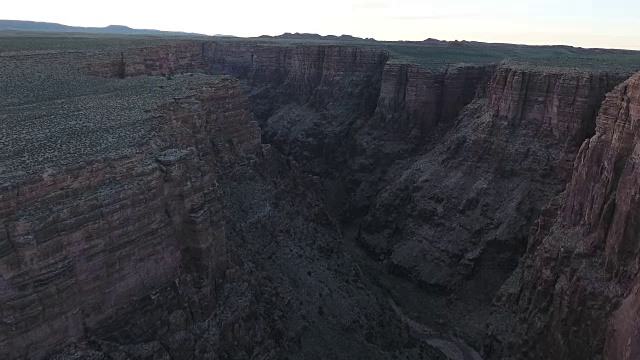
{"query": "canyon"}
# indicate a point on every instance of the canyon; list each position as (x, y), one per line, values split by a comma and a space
(269, 198)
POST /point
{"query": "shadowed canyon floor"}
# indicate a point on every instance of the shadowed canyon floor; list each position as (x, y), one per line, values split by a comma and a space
(275, 198)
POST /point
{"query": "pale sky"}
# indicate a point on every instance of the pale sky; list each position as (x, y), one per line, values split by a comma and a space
(586, 23)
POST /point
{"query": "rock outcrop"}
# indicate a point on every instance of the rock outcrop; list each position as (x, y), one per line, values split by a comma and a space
(525, 127)
(414, 100)
(159, 59)
(457, 218)
(310, 74)
(504, 138)
(575, 290)
(314, 75)
(562, 103)
(78, 247)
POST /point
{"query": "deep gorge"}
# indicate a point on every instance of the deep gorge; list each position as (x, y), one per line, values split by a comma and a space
(326, 201)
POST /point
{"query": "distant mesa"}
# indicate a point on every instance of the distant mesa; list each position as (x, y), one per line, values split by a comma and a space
(35, 26)
(348, 38)
(309, 36)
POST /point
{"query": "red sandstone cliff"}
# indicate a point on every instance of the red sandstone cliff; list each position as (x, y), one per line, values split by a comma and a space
(575, 289)
(525, 126)
(561, 103)
(312, 74)
(143, 277)
(159, 59)
(414, 100)
(457, 218)
(79, 247)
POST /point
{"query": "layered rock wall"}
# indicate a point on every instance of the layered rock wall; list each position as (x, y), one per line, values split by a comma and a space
(523, 125)
(457, 219)
(81, 246)
(561, 103)
(414, 100)
(582, 261)
(315, 75)
(162, 59)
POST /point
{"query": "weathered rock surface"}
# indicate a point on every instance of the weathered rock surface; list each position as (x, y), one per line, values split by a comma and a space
(79, 245)
(575, 290)
(503, 138)
(184, 241)
(503, 161)
(457, 218)
(165, 59)
(414, 100)
(504, 157)
(563, 103)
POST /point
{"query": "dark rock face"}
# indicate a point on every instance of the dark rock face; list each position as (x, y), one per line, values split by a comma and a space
(192, 246)
(387, 192)
(456, 218)
(503, 138)
(502, 162)
(575, 290)
(327, 76)
(122, 229)
(413, 101)
(165, 59)
(563, 104)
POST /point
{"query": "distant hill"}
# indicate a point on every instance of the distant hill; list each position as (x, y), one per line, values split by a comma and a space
(29, 26)
(307, 36)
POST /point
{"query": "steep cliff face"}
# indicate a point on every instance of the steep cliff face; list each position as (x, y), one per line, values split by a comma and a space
(574, 290)
(518, 130)
(309, 99)
(315, 75)
(503, 138)
(163, 59)
(282, 81)
(560, 103)
(176, 233)
(414, 100)
(79, 246)
(456, 219)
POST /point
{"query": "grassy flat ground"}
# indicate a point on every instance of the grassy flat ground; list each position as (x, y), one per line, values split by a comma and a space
(16, 41)
(53, 116)
(549, 56)
(423, 54)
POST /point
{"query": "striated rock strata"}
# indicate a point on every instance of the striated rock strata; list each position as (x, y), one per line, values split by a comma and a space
(414, 100)
(575, 290)
(312, 74)
(159, 59)
(158, 226)
(79, 246)
(456, 218)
